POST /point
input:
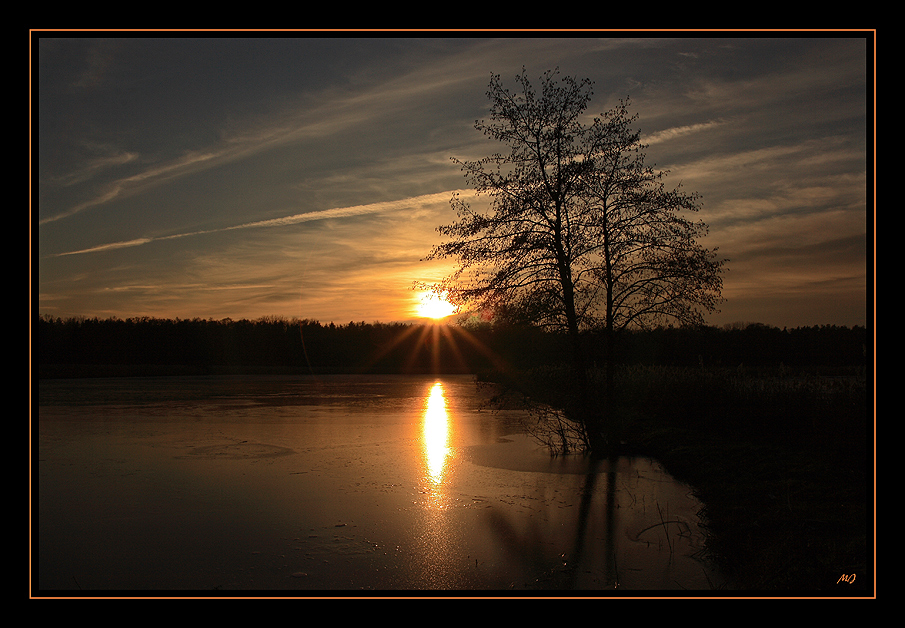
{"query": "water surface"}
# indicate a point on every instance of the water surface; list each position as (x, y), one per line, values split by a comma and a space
(339, 483)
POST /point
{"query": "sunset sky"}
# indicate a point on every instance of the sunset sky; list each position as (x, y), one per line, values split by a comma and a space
(304, 176)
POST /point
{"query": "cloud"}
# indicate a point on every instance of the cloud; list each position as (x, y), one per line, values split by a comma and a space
(413, 203)
(345, 212)
(93, 166)
(115, 189)
(107, 247)
(297, 119)
(681, 131)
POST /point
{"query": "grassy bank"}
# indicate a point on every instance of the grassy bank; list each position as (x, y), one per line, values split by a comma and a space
(781, 460)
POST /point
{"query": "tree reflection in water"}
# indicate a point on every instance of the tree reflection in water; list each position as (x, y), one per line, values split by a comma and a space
(531, 546)
(622, 524)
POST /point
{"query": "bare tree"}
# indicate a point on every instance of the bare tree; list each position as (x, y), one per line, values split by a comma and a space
(581, 234)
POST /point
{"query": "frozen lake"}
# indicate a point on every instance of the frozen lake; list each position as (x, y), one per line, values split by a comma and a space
(337, 484)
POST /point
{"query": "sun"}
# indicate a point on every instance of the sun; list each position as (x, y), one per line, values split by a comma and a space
(434, 306)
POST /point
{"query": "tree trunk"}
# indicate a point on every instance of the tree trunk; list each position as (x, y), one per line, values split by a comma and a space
(609, 406)
(587, 410)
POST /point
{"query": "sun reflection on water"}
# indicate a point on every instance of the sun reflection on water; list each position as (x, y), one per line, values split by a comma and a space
(436, 433)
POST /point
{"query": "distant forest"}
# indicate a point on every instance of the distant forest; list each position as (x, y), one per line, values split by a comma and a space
(152, 346)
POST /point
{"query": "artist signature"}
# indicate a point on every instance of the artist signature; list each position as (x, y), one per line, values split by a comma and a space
(849, 578)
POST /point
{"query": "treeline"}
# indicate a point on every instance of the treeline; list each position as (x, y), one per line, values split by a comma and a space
(91, 346)
(749, 345)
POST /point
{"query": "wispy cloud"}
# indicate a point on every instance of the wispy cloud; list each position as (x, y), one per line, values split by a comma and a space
(118, 188)
(293, 121)
(337, 212)
(681, 131)
(95, 165)
(107, 247)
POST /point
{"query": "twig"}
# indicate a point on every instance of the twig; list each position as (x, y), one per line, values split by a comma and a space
(668, 542)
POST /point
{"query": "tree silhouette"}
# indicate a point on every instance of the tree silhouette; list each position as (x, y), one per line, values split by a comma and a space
(580, 233)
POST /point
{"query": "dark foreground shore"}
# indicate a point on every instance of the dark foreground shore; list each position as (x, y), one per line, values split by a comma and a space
(784, 463)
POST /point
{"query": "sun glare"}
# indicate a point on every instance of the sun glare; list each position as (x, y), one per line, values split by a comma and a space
(434, 306)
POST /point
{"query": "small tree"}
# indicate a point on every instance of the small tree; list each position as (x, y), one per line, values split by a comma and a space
(580, 235)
